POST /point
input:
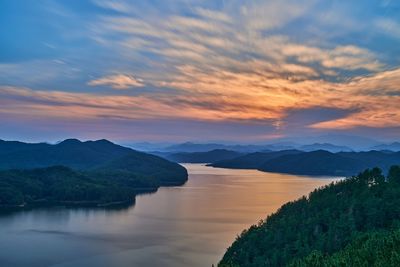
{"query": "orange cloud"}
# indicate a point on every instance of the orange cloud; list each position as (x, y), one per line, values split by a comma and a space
(225, 96)
(231, 64)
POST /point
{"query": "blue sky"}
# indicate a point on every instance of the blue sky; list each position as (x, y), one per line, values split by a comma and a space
(245, 71)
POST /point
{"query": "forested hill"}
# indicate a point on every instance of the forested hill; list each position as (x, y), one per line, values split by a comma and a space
(74, 171)
(71, 152)
(252, 160)
(353, 222)
(319, 162)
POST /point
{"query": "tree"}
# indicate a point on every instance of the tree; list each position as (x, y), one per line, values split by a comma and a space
(394, 175)
(307, 231)
(377, 176)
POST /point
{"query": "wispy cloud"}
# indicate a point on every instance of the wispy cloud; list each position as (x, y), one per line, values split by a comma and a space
(373, 100)
(213, 15)
(116, 5)
(389, 26)
(256, 61)
(118, 81)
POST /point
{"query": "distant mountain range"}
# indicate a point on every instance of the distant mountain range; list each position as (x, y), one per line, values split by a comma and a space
(390, 147)
(325, 146)
(75, 171)
(193, 147)
(356, 143)
(330, 142)
(318, 162)
(200, 157)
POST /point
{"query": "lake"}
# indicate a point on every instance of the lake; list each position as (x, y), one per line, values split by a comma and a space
(191, 225)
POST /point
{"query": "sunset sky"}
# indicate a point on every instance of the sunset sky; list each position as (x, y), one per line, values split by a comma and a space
(245, 71)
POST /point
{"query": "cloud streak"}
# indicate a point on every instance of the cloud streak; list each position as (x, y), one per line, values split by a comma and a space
(118, 81)
(373, 101)
(213, 61)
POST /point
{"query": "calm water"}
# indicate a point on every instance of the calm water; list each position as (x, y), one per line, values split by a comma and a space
(190, 225)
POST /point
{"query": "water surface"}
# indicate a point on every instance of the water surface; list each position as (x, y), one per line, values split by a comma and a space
(190, 225)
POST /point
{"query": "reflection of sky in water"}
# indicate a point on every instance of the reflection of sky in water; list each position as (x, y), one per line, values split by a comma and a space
(180, 226)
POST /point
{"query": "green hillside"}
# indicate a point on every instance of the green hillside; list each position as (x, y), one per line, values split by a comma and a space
(325, 223)
(74, 172)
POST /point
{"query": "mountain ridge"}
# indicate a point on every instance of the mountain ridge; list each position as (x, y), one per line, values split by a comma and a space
(319, 162)
(80, 172)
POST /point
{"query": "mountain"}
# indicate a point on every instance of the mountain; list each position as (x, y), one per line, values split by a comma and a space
(389, 147)
(193, 147)
(382, 159)
(331, 143)
(319, 162)
(71, 152)
(356, 143)
(165, 172)
(251, 160)
(202, 157)
(353, 222)
(146, 146)
(326, 163)
(325, 146)
(80, 171)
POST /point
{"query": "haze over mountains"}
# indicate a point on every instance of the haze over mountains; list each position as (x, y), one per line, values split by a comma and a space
(332, 143)
(395, 146)
(313, 159)
(200, 157)
(194, 147)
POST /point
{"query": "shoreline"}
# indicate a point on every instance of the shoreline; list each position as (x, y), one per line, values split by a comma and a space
(85, 203)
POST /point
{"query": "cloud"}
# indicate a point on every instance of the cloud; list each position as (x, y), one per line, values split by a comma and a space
(370, 101)
(115, 5)
(266, 15)
(259, 61)
(347, 57)
(376, 96)
(212, 40)
(118, 81)
(213, 15)
(389, 26)
(18, 101)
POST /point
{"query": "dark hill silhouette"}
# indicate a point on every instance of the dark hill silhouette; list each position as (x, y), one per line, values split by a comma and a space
(166, 172)
(74, 171)
(318, 162)
(252, 160)
(71, 152)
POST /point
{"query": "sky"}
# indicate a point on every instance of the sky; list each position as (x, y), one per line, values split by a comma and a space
(190, 70)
